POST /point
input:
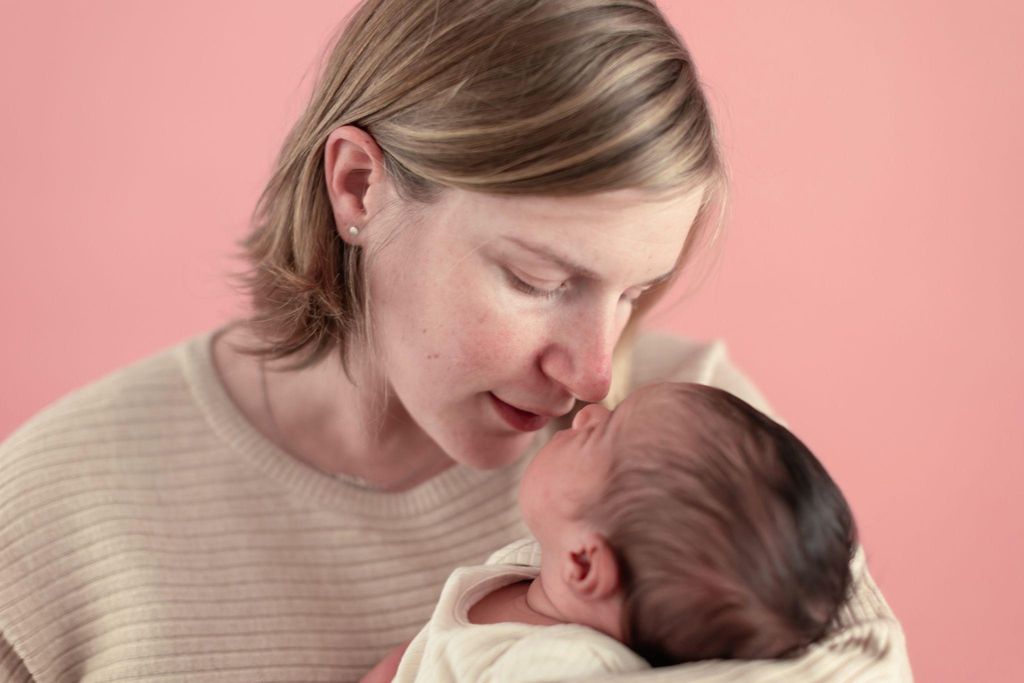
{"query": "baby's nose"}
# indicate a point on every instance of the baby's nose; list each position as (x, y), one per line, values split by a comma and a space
(590, 413)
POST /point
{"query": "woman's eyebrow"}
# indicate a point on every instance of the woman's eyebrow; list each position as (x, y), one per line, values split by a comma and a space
(569, 265)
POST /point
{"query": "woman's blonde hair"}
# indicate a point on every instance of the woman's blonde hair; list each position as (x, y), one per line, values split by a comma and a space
(506, 97)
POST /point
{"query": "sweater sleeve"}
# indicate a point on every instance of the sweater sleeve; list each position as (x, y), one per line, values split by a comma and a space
(12, 669)
(660, 357)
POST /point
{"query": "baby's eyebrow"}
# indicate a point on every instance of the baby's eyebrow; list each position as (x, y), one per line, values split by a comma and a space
(567, 264)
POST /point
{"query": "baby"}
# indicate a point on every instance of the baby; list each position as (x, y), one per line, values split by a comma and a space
(685, 525)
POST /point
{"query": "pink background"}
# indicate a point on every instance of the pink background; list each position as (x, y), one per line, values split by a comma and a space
(871, 282)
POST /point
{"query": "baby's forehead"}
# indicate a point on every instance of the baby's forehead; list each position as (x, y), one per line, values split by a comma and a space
(655, 398)
(673, 406)
(646, 408)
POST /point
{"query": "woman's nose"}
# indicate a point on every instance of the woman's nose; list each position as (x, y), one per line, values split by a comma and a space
(580, 357)
(590, 414)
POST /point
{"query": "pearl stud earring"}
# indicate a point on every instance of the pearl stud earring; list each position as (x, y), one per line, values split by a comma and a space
(353, 230)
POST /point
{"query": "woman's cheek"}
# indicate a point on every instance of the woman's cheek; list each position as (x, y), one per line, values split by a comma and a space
(495, 338)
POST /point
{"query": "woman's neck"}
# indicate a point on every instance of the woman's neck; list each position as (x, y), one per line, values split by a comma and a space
(319, 416)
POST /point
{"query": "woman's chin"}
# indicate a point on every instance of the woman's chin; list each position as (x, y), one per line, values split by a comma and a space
(493, 453)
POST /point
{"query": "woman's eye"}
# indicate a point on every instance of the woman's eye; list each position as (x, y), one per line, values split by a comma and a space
(526, 288)
(630, 297)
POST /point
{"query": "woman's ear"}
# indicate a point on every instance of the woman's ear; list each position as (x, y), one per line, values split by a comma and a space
(590, 568)
(353, 163)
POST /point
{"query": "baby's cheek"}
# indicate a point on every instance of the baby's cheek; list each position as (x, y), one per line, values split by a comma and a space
(530, 495)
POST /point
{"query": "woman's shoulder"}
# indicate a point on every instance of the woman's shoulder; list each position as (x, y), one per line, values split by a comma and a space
(666, 357)
(101, 414)
(79, 472)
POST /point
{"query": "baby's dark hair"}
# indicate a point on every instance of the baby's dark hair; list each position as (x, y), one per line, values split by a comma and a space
(732, 540)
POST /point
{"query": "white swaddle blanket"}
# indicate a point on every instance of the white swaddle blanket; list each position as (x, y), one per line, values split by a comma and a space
(449, 649)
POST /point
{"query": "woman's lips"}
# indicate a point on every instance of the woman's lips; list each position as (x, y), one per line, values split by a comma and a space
(520, 420)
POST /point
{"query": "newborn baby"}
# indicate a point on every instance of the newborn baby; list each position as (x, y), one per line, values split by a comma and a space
(685, 525)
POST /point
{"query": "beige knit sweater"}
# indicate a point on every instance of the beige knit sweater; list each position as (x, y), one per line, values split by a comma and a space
(149, 533)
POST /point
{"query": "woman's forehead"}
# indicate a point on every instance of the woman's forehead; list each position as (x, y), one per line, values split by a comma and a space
(602, 233)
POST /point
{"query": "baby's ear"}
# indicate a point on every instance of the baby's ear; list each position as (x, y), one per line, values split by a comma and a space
(590, 569)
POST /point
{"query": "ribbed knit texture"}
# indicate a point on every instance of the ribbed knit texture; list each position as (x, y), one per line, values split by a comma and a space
(149, 533)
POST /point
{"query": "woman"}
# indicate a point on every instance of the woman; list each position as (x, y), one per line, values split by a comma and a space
(463, 230)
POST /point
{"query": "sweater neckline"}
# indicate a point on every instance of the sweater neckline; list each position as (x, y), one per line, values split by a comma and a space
(473, 584)
(335, 491)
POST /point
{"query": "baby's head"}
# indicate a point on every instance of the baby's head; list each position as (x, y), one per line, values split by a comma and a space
(689, 526)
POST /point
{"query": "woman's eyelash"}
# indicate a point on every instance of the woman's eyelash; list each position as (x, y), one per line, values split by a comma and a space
(526, 288)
